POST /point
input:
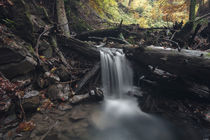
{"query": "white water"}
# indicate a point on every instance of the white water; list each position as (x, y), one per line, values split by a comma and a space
(117, 75)
(120, 118)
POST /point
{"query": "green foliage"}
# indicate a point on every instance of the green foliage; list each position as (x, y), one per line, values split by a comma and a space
(140, 10)
(9, 23)
(109, 10)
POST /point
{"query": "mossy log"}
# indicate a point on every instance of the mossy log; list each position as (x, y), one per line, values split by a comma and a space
(113, 32)
(189, 64)
(79, 46)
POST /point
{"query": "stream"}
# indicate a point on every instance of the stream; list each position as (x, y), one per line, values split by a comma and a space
(117, 117)
(120, 117)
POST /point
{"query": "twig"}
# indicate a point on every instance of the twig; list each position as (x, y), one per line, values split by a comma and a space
(173, 35)
(45, 31)
(68, 82)
(24, 114)
(38, 40)
(202, 17)
(43, 137)
(2, 75)
(177, 44)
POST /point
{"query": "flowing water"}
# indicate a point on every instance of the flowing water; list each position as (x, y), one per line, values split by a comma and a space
(120, 118)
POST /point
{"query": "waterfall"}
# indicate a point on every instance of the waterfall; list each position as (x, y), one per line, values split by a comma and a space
(117, 75)
(120, 117)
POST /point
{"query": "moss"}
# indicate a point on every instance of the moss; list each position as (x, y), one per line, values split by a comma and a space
(9, 23)
(30, 49)
(23, 24)
(79, 25)
(110, 10)
(207, 55)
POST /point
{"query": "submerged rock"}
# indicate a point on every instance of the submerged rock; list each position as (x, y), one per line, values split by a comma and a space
(64, 107)
(97, 94)
(78, 98)
(94, 95)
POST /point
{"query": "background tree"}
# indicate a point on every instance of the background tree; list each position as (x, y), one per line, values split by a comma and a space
(209, 24)
(192, 10)
(62, 19)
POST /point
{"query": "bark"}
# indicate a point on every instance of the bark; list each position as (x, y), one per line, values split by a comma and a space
(81, 47)
(114, 32)
(189, 64)
(59, 53)
(87, 77)
(62, 19)
(209, 25)
(192, 10)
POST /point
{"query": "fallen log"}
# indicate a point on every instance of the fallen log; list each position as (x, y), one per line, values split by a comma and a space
(79, 46)
(190, 64)
(87, 77)
(113, 39)
(113, 32)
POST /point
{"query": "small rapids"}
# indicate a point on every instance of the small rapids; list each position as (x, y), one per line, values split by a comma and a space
(120, 117)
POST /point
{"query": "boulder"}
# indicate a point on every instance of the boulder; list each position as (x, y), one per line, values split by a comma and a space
(96, 94)
(15, 55)
(59, 92)
(64, 107)
(63, 73)
(31, 100)
(79, 98)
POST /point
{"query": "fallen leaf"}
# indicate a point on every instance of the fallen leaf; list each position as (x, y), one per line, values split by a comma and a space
(25, 126)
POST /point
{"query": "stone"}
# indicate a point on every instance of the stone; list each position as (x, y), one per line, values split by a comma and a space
(96, 94)
(15, 56)
(79, 98)
(45, 49)
(31, 100)
(63, 73)
(59, 92)
(64, 107)
(5, 106)
(52, 77)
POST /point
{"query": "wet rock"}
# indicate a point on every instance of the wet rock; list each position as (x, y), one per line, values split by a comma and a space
(63, 73)
(41, 82)
(77, 115)
(136, 92)
(5, 104)
(96, 94)
(64, 107)
(15, 56)
(31, 100)
(10, 121)
(52, 77)
(45, 49)
(59, 92)
(79, 98)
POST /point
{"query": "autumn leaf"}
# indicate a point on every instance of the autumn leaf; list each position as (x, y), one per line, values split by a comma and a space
(26, 126)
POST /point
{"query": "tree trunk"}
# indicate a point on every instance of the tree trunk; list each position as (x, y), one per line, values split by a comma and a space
(209, 25)
(62, 19)
(192, 10)
(79, 46)
(129, 3)
(189, 64)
